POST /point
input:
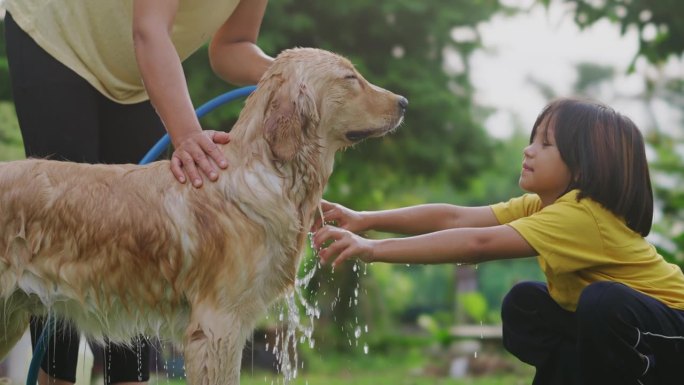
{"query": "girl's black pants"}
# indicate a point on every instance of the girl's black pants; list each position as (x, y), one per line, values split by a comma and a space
(617, 335)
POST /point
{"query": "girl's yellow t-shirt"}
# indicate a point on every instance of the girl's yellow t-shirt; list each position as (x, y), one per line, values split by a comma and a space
(94, 38)
(579, 243)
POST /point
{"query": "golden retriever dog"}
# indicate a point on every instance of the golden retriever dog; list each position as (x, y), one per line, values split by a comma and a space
(124, 250)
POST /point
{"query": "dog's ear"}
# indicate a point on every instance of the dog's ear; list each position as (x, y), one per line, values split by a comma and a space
(291, 109)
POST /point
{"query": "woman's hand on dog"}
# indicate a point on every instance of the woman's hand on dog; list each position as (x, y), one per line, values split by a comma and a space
(335, 245)
(199, 150)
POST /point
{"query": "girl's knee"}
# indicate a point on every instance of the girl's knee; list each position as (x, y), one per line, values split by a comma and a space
(525, 292)
(522, 297)
(602, 301)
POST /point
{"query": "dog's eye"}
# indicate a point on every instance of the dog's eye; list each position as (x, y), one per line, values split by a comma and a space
(351, 77)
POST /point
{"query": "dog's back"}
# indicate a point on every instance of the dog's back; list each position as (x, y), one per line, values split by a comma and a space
(87, 241)
(103, 245)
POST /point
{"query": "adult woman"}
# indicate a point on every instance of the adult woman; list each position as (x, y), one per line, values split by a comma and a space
(98, 81)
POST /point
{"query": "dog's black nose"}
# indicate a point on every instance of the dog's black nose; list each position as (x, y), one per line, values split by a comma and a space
(403, 102)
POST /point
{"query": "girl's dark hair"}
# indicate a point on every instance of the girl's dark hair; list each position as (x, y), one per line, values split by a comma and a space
(605, 153)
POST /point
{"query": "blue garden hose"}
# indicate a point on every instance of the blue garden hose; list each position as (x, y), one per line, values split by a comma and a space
(152, 155)
(229, 96)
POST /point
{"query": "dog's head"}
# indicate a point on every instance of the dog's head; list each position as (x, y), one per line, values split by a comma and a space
(315, 96)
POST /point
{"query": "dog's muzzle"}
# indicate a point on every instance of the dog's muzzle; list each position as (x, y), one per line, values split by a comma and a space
(359, 135)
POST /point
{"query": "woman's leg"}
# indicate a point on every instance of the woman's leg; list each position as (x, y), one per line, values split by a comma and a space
(539, 332)
(627, 337)
(127, 365)
(61, 354)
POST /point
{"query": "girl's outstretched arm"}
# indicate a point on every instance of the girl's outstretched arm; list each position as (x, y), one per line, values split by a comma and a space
(461, 245)
(418, 219)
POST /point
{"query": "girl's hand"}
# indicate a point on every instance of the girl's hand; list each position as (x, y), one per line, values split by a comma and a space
(199, 149)
(341, 245)
(340, 216)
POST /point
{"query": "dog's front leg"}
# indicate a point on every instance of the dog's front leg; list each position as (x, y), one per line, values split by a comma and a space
(213, 347)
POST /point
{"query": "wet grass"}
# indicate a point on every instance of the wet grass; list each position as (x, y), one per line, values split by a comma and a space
(408, 367)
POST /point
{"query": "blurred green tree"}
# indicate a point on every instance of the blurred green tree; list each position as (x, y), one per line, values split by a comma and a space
(11, 145)
(667, 167)
(660, 23)
(5, 94)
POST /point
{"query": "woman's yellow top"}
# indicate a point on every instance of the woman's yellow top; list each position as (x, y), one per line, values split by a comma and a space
(94, 38)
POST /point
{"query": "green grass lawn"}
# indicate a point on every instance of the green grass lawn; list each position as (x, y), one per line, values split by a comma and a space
(406, 367)
(394, 377)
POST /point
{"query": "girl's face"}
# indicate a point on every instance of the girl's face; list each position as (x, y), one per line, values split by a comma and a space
(543, 171)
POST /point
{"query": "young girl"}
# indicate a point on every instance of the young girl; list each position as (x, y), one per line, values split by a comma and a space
(612, 309)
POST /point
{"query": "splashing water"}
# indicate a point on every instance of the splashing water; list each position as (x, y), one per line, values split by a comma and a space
(140, 345)
(358, 330)
(297, 328)
(294, 329)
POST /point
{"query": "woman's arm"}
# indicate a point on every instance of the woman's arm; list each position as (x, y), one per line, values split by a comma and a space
(233, 52)
(418, 219)
(461, 245)
(164, 79)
